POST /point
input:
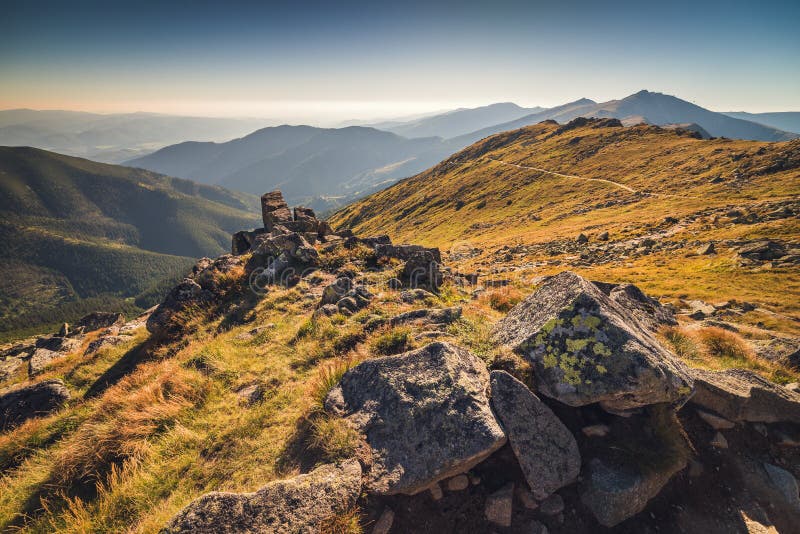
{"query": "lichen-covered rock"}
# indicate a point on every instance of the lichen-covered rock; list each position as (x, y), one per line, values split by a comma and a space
(21, 404)
(740, 395)
(424, 413)
(9, 367)
(546, 450)
(585, 348)
(297, 505)
(422, 270)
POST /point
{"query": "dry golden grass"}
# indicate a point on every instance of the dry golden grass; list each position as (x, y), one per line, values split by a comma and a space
(345, 522)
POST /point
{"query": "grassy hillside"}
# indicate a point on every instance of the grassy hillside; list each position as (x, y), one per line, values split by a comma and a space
(624, 181)
(73, 229)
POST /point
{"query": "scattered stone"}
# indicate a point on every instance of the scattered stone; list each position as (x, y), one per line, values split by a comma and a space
(536, 527)
(714, 421)
(584, 348)
(19, 405)
(741, 395)
(458, 483)
(707, 249)
(596, 431)
(251, 393)
(553, 505)
(424, 413)
(545, 448)
(406, 252)
(334, 292)
(384, 523)
(719, 441)
(299, 504)
(603, 236)
(422, 270)
(582, 238)
(436, 491)
(500, 505)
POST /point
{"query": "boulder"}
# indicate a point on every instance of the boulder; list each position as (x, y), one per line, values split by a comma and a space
(424, 413)
(740, 395)
(585, 348)
(707, 249)
(292, 245)
(304, 214)
(297, 505)
(41, 358)
(546, 450)
(405, 252)
(614, 493)
(763, 250)
(336, 291)
(21, 404)
(436, 316)
(274, 210)
(500, 506)
(103, 342)
(243, 241)
(412, 295)
(648, 311)
(183, 295)
(98, 320)
(422, 270)
(9, 367)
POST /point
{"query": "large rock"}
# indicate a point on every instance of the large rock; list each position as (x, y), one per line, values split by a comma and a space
(585, 348)
(434, 316)
(422, 270)
(615, 493)
(285, 249)
(297, 505)
(22, 404)
(98, 320)
(41, 358)
(763, 250)
(405, 252)
(545, 448)
(424, 413)
(182, 296)
(648, 311)
(274, 210)
(740, 395)
(243, 241)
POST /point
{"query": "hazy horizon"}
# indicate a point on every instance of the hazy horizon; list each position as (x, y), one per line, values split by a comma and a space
(357, 61)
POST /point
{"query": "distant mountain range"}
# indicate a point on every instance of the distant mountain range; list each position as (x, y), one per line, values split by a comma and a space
(786, 120)
(321, 167)
(77, 235)
(116, 137)
(330, 167)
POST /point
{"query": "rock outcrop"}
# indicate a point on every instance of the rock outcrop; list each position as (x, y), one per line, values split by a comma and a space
(297, 505)
(21, 404)
(585, 348)
(546, 450)
(424, 413)
(98, 320)
(740, 395)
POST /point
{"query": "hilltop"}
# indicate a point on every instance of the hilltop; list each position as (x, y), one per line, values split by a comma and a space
(79, 234)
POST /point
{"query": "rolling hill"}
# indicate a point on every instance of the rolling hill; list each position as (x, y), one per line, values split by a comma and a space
(303, 161)
(112, 138)
(646, 198)
(78, 234)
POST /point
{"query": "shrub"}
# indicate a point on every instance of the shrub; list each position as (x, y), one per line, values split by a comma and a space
(334, 438)
(504, 299)
(393, 341)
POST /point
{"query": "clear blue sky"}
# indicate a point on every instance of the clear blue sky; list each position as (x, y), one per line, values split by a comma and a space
(369, 59)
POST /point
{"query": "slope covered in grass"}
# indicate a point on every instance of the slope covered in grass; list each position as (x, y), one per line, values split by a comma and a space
(72, 229)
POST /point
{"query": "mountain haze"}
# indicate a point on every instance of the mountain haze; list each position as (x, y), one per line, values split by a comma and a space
(303, 161)
(786, 120)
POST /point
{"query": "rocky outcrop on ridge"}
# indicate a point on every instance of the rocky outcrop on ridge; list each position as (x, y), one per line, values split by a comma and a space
(585, 348)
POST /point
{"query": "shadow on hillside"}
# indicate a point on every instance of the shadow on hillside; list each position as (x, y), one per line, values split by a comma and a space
(296, 454)
(124, 366)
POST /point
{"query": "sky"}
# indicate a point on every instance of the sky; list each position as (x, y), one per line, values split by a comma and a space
(307, 60)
